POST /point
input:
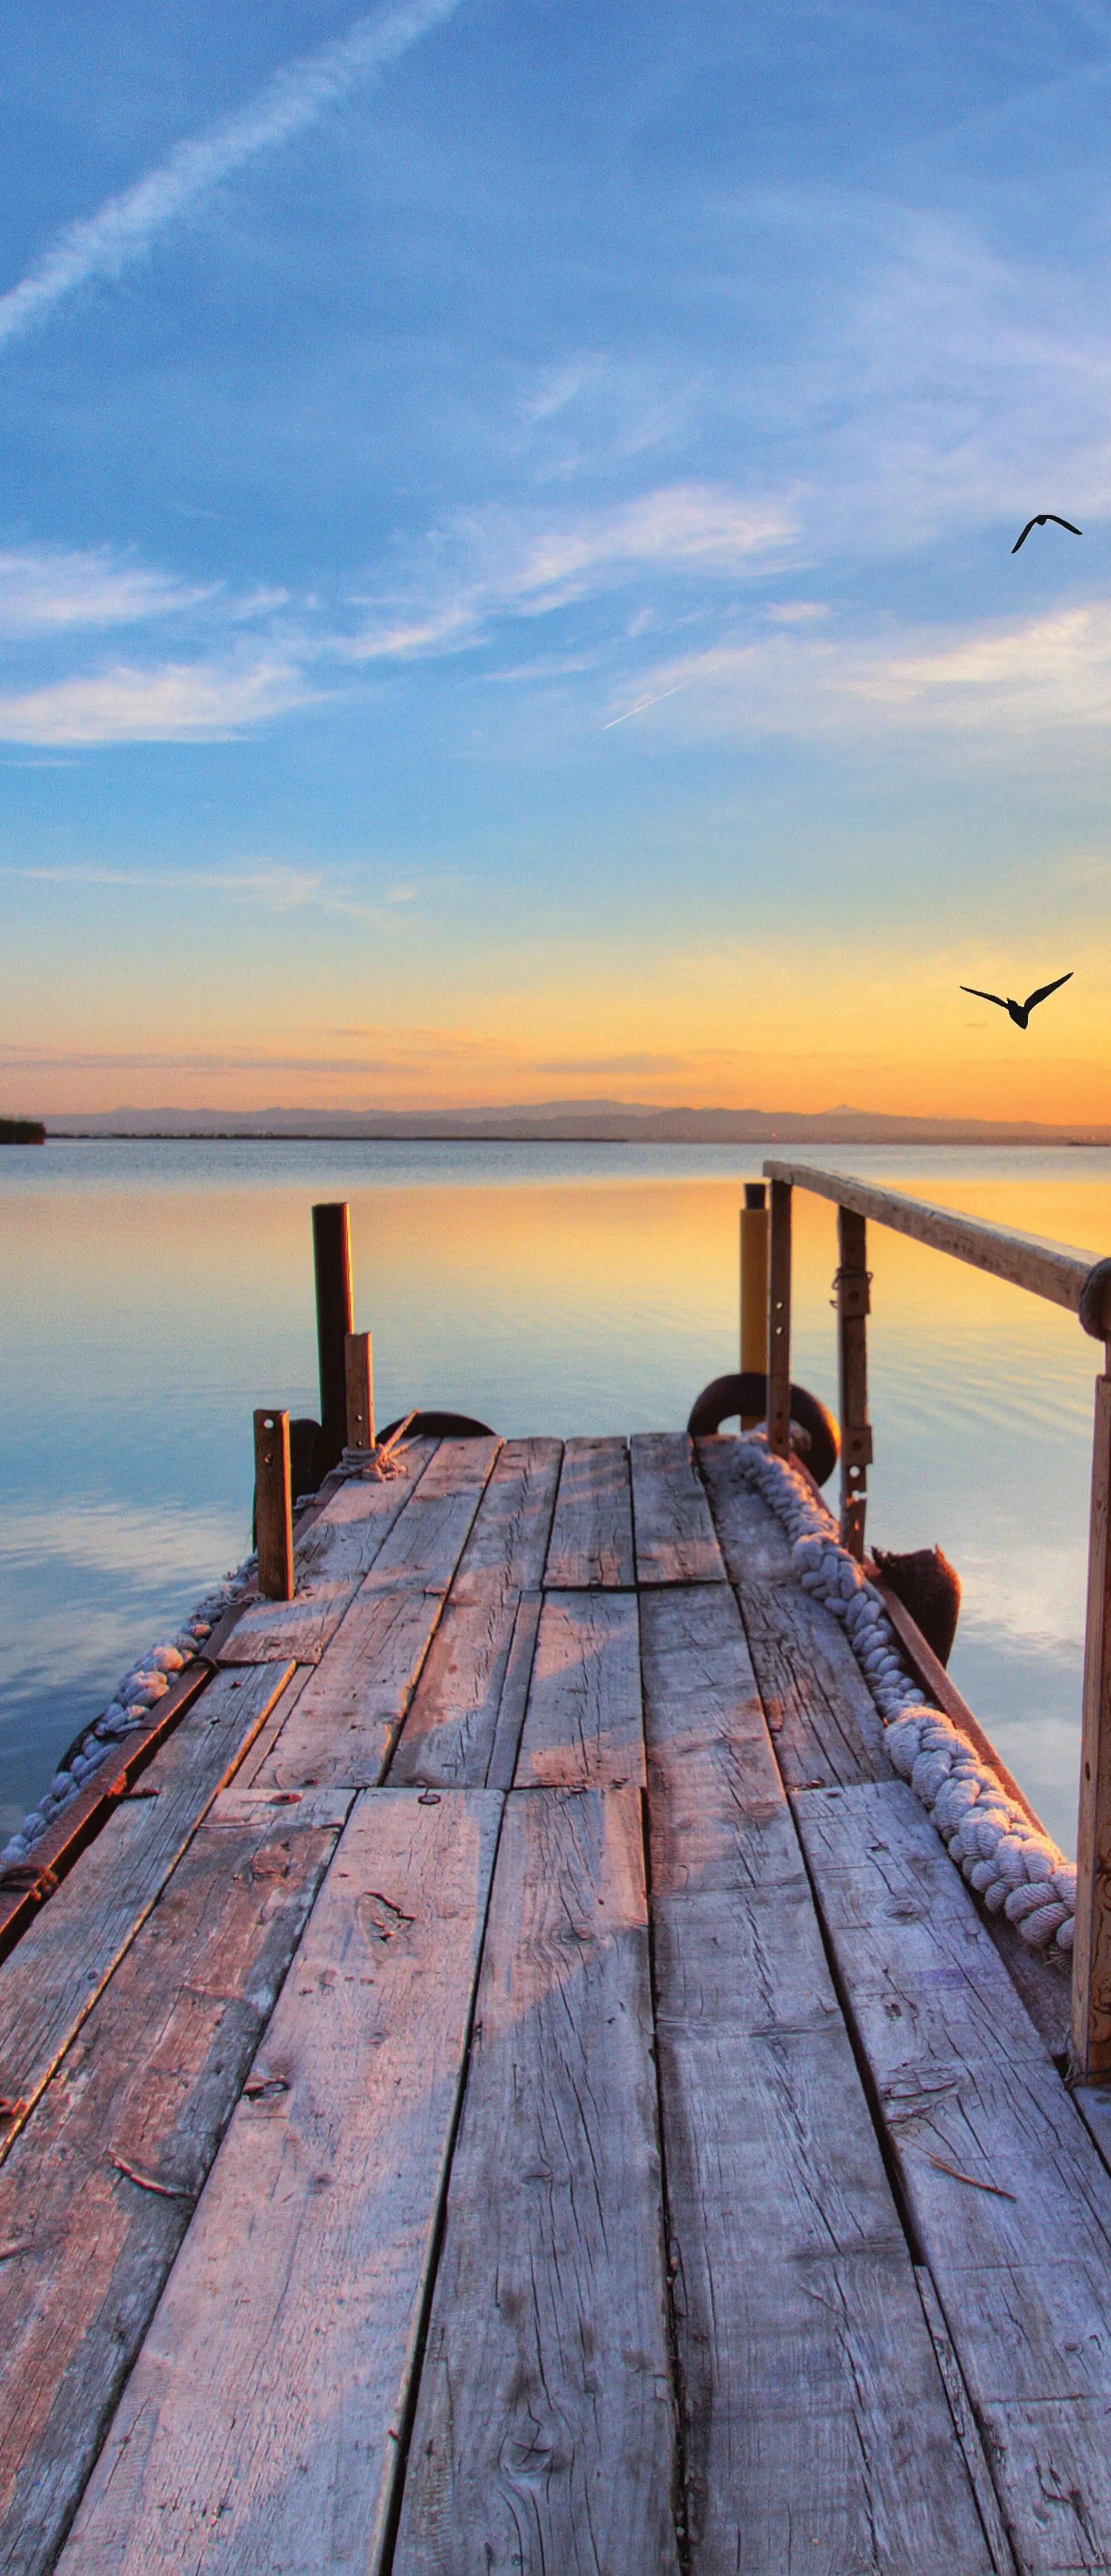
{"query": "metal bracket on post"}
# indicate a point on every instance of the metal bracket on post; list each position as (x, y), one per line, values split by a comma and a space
(779, 1322)
(853, 1285)
(1090, 2052)
(273, 1505)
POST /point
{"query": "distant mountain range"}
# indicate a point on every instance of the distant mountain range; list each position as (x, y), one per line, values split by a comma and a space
(581, 1122)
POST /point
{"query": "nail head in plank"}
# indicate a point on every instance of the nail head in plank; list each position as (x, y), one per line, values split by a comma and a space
(591, 1545)
(675, 1537)
(961, 2076)
(816, 2421)
(152, 2077)
(544, 2431)
(583, 1722)
(51, 1981)
(269, 2396)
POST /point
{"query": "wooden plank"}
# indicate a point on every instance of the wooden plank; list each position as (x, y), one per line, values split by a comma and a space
(592, 1533)
(1008, 2195)
(1049, 1270)
(583, 1722)
(514, 1692)
(26, 1886)
(544, 2430)
(675, 1537)
(273, 1506)
(824, 1722)
(337, 1551)
(449, 1732)
(52, 1980)
(508, 1541)
(817, 2430)
(424, 1545)
(347, 1719)
(1091, 1975)
(151, 2078)
(358, 1368)
(260, 2426)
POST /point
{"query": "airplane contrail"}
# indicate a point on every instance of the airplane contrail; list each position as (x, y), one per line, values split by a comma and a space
(645, 702)
(104, 243)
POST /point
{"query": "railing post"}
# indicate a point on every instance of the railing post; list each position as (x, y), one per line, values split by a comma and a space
(853, 1307)
(358, 1362)
(273, 1506)
(754, 1286)
(331, 1244)
(779, 1322)
(1091, 1965)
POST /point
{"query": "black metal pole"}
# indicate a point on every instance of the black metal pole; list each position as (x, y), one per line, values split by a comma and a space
(331, 1246)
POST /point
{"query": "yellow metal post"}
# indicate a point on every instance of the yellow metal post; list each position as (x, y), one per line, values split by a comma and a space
(754, 1285)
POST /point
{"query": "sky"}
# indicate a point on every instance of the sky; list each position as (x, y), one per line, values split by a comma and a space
(506, 587)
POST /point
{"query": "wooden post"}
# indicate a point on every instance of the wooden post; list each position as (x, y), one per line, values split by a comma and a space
(331, 1244)
(754, 1286)
(1091, 1959)
(779, 1322)
(359, 1364)
(853, 1307)
(273, 1506)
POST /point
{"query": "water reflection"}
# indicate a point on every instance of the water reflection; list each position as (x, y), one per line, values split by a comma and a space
(153, 1294)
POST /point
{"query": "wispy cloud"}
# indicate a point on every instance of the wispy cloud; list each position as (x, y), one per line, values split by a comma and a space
(44, 592)
(175, 702)
(295, 98)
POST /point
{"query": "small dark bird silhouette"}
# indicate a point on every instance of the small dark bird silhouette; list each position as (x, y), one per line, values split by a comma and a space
(1020, 1011)
(1039, 522)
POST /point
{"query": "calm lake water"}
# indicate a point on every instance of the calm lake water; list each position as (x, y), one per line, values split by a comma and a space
(152, 1294)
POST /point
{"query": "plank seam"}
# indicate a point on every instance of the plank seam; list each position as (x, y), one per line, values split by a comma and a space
(408, 2412)
(965, 2425)
(670, 2240)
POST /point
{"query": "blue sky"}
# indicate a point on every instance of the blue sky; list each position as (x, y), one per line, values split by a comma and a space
(505, 574)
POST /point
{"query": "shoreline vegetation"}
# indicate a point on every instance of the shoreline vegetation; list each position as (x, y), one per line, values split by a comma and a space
(556, 1122)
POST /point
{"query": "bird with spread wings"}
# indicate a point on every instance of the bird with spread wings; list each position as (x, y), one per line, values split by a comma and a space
(1039, 522)
(1020, 1011)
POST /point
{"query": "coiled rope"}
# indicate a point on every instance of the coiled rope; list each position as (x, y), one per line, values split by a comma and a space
(1017, 1871)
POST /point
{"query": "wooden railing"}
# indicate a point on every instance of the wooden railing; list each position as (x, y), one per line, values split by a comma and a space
(1066, 1278)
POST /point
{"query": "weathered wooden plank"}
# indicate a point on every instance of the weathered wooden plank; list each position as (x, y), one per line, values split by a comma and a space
(675, 1537)
(817, 2430)
(151, 2078)
(591, 1544)
(514, 1692)
(544, 2431)
(823, 1719)
(339, 1546)
(424, 1545)
(1009, 2196)
(508, 1542)
(449, 1731)
(346, 1720)
(259, 2428)
(27, 1885)
(54, 1977)
(583, 1722)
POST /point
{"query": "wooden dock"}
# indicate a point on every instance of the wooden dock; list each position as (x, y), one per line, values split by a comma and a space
(518, 2085)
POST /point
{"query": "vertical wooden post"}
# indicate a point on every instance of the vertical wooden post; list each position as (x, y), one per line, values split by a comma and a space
(853, 1307)
(754, 1286)
(273, 1506)
(359, 1363)
(1091, 1958)
(331, 1244)
(779, 1322)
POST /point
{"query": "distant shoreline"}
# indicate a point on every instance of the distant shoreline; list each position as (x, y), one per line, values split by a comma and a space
(989, 1142)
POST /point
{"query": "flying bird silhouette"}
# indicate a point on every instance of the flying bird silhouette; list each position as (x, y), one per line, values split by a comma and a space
(1039, 522)
(1020, 1011)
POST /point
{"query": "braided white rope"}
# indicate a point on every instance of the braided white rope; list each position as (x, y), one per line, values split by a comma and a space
(1014, 1868)
(138, 1693)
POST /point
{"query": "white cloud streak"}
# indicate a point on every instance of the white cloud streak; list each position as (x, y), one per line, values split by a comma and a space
(46, 592)
(294, 99)
(175, 702)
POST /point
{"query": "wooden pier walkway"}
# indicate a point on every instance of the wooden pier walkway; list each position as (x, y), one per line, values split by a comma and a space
(518, 2085)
